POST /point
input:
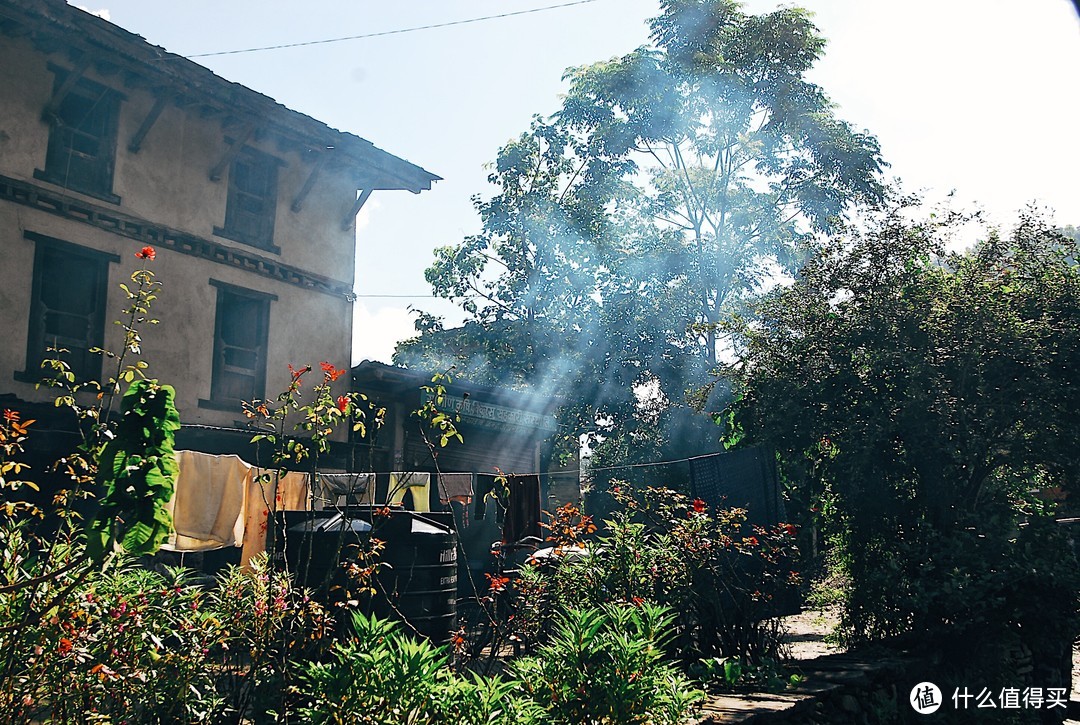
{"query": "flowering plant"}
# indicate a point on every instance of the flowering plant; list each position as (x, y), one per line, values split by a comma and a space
(723, 578)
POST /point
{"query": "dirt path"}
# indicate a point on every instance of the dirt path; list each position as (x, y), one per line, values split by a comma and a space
(806, 633)
(806, 640)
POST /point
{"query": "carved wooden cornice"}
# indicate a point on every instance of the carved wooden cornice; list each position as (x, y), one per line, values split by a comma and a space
(147, 232)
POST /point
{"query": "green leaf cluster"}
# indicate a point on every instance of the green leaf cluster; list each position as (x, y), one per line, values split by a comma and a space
(137, 473)
(607, 665)
(383, 676)
(923, 404)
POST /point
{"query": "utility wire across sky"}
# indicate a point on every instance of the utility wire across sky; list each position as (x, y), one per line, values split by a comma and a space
(399, 31)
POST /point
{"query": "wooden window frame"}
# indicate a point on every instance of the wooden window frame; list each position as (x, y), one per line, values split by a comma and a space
(37, 339)
(242, 225)
(64, 134)
(225, 293)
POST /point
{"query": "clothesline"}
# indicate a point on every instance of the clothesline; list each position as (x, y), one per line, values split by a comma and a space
(511, 473)
(590, 469)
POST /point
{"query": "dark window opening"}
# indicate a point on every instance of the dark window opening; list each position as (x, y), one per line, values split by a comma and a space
(240, 344)
(67, 308)
(82, 140)
(252, 201)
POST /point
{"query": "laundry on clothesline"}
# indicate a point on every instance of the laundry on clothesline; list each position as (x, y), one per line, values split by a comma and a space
(416, 483)
(745, 478)
(267, 493)
(486, 489)
(517, 500)
(220, 500)
(208, 502)
(456, 487)
(522, 517)
(346, 489)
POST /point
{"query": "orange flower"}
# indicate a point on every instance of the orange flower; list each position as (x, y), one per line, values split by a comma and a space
(11, 416)
(343, 403)
(497, 584)
(147, 252)
(330, 372)
(65, 646)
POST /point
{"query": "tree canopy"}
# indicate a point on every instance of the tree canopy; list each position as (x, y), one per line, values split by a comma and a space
(673, 182)
(920, 400)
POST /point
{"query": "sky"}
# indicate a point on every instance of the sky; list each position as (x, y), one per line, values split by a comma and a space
(973, 96)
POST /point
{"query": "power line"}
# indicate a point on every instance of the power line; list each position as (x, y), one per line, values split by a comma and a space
(399, 31)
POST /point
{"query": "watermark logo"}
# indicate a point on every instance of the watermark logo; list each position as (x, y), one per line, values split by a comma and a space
(925, 698)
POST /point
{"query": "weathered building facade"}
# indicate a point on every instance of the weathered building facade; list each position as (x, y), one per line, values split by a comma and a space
(109, 144)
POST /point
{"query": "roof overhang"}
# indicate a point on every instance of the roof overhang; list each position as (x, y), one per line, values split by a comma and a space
(55, 26)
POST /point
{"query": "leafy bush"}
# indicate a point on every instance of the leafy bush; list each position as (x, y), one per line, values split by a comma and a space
(603, 665)
(121, 643)
(720, 576)
(128, 643)
(917, 399)
(137, 470)
(607, 665)
(266, 625)
(383, 676)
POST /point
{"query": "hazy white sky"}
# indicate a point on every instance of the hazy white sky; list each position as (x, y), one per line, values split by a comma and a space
(980, 96)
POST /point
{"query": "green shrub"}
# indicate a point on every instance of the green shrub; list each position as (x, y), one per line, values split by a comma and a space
(129, 644)
(607, 665)
(123, 643)
(719, 576)
(384, 676)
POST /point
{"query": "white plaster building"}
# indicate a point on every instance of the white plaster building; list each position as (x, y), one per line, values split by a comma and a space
(108, 144)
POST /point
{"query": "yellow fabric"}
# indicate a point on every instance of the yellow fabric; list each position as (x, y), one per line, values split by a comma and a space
(417, 483)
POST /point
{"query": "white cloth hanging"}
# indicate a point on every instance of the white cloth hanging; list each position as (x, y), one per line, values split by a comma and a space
(208, 501)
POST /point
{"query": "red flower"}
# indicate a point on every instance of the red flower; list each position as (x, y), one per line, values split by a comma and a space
(11, 416)
(297, 373)
(343, 403)
(750, 541)
(148, 253)
(497, 584)
(330, 372)
(699, 506)
(789, 529)
(65, 646)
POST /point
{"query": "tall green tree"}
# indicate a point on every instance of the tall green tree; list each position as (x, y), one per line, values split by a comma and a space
(918, 399)
(733, 150)
(673, 182)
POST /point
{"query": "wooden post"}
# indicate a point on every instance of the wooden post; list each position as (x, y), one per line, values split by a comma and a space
(148, 122)
(232, 152)
(65, 88)
(320, 162)
(351, 217)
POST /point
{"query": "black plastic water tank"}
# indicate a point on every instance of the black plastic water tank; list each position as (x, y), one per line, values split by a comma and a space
(416, 581)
